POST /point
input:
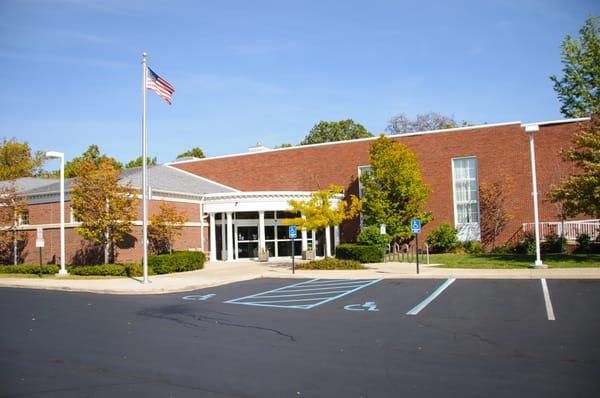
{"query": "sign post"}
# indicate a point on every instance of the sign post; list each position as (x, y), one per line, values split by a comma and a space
(39, 243)
(382, 232)
(293, 232)
(415, 226)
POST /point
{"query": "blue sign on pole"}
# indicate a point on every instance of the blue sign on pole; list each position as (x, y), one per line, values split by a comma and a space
(415, 226)
(293, 232)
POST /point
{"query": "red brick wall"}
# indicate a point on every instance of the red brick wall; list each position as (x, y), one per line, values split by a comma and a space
(500, 151)
(130, 251)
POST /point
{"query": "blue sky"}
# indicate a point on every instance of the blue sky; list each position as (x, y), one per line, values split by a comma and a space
(267, 71)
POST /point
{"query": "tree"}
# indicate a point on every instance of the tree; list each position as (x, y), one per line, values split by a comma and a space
(492, 207)
(335, 131)
(104, 207)
(394, 192)
(401, 124)
(138, 162)
(194, 152)
(580, 193)
(319, 212)
(284, 145)
(11, 207)
(165, 228)
(92, 155)
(578, 89)
(17, 161)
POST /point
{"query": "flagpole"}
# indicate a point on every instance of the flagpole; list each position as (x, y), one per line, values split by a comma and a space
(144, 174)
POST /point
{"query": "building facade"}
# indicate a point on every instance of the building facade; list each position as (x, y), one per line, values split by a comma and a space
(237, 205)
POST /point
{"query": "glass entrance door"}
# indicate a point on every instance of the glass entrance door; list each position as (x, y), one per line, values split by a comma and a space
(246, 241)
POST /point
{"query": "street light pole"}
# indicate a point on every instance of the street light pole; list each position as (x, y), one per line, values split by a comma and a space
(61, 156)
(531, 131)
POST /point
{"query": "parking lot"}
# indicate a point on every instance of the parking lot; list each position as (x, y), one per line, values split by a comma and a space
(313, 338)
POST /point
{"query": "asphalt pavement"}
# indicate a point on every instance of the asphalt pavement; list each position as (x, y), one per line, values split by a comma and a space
(275, 337)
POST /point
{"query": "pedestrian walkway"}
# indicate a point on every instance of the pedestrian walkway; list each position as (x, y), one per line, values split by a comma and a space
(219, 273)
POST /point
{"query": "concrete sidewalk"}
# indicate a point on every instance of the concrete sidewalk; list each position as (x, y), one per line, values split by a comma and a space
(215, 274)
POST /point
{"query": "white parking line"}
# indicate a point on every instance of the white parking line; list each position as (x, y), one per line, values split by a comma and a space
(431, 297)
(549, 309)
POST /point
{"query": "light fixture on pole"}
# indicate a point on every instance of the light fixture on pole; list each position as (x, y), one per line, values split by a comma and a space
(531, 130)
(61, 156)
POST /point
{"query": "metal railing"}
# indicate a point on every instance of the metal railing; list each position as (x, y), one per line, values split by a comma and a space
(570, 229)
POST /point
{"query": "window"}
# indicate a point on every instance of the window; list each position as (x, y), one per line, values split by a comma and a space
(23, 218)
(361, 189)
(466, 198)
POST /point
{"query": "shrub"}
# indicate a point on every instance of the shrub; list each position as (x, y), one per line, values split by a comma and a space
(176, 262)
(584, 242)
(360, 253)
(473, 247)
(442, 239)
(29, 269)
(525, 246)
(100, 270)
(553, 244)
(371, 236)
(331, 263)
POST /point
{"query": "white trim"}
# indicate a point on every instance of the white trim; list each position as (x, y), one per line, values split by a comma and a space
(200, 177)
(482, 126)
(563, 121)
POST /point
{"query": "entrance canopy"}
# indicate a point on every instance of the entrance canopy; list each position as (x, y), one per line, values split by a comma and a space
(251, 222)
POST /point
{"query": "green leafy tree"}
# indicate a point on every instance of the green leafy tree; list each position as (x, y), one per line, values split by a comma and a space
(138, 162)
(335, 131)
(165, 228)
(394, 192)
(16, 160)
(578, 89)
(580, 193)
(284, 145)
(320, 212)
(104, 207)
(92, 156)
(401, 124)
(194, 152)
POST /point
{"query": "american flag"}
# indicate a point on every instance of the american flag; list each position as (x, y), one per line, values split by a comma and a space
(160, 86)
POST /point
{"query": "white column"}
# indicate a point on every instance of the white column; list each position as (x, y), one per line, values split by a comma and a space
(327, 242)
(531, 130)
(304, 240)
(223, 239)
(213, 237)
(313, 236)
(336, 235)
(261, 231)
(229, 237)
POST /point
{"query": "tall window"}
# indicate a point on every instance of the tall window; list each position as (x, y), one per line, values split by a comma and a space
(466, 198)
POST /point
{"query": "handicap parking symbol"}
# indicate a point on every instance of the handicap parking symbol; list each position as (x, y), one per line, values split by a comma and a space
(369, 306)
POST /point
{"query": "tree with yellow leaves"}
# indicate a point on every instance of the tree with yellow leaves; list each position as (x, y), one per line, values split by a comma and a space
(105, 208)
(165, 228)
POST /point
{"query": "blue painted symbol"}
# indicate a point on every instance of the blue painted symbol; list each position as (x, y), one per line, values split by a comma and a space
(369, 306)
(293, 232)
(415, 226)
(197, 297)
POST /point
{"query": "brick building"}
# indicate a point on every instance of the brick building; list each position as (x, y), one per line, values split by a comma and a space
(236, 204)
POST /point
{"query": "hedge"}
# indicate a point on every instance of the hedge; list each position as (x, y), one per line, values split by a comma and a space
(331, 263)
(176, 262)
(361, 253)
(28, 269)
(107, 270)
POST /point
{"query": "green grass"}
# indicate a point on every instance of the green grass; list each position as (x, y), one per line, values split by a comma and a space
(514, 261)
